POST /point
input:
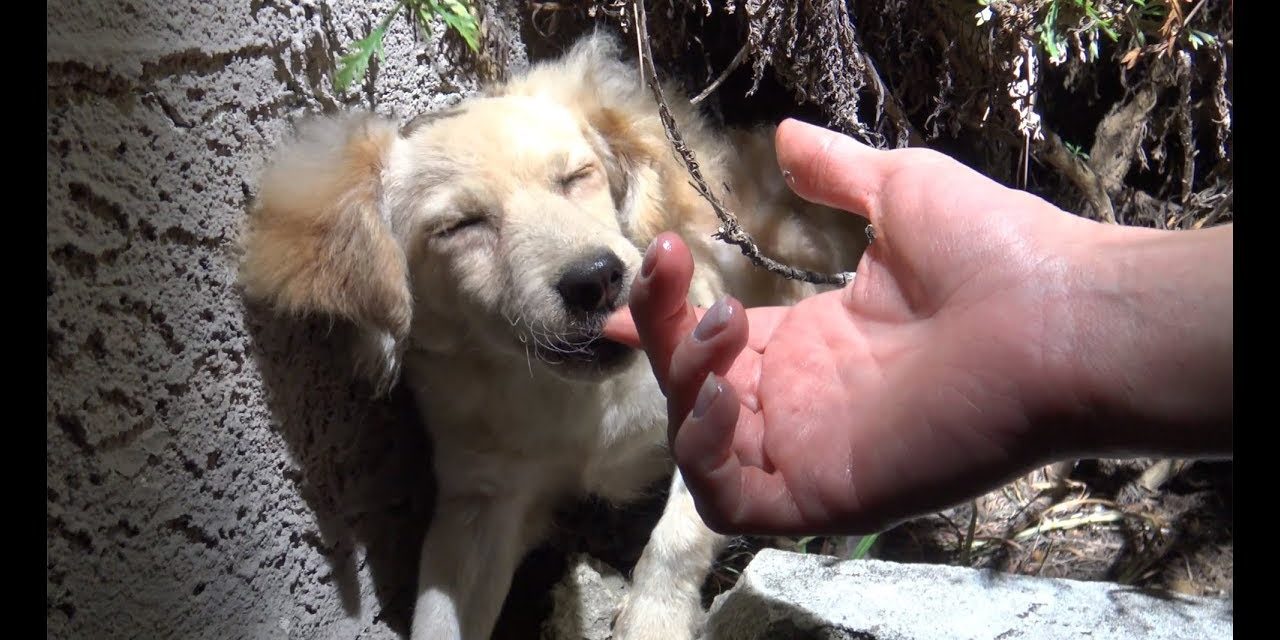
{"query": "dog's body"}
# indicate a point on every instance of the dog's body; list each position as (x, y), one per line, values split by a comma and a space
(481, 248)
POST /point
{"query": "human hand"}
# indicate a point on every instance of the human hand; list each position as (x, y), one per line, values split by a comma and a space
(913, 388)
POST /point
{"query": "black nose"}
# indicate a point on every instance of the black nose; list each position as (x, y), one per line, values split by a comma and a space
(592, 284)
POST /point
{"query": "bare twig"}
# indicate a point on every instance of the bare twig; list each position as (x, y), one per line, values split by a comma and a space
(966, 548)
(1221, 105)
(636, 8)
(1054, 151)
(1185, 126)
(1026, 133)
(889, 101)
(1043, 559)
(1222, 205)
(1191, 14)
(1105, 517)
(733, 64)
(1161, 472)
(1118, 136)
(730, 231)
(552, 9)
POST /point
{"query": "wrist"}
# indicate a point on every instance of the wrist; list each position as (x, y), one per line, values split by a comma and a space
(1147, 344)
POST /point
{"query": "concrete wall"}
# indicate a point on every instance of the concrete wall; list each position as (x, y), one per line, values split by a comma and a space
(212, 472)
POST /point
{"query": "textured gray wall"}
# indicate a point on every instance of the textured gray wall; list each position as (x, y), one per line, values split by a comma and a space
(212, 473)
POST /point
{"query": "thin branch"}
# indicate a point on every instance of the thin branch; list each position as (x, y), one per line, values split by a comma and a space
(1026, 134)
(730, 231)
(1051, 150)
(1223, 206)
(1187, 20)
(1055, 152)
(636, 10)
(1186, 126)
(889, 101)
(733, 65)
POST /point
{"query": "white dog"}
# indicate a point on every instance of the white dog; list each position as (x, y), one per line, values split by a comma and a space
(480, 249)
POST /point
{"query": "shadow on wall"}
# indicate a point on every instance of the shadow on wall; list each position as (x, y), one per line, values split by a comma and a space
(364, 470)
(363, 465)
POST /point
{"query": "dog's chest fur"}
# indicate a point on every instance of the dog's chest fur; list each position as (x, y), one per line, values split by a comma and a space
(569, 438)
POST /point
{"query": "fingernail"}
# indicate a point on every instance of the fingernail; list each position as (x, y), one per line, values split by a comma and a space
(715, 320)
(707, 395)
(650, 259)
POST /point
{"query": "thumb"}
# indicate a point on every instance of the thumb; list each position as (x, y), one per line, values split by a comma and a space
(829, 168)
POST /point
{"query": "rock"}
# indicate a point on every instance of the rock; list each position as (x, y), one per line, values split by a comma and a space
(789, 596)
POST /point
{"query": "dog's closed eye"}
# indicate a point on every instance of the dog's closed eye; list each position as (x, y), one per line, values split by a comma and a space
(464, 223)
(577, 178)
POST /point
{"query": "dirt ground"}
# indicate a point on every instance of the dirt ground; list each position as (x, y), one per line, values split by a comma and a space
(1102, 523)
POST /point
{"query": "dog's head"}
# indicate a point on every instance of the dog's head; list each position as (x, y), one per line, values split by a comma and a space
(510, 224)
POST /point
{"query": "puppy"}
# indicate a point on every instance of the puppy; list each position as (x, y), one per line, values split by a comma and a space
(478, 250)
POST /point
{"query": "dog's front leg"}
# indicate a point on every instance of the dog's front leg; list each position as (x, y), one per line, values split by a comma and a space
(468, 559)
(665, 601)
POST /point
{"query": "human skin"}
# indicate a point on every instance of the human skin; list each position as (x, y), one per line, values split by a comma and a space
(987, 332)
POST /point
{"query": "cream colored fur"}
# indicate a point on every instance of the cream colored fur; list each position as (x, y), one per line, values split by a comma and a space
(443, 242)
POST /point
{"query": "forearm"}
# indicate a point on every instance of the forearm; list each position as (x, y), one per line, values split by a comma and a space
(1152, 342)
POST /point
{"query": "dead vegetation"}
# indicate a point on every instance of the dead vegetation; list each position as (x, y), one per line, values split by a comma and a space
(1102, 524)
(1118, 109)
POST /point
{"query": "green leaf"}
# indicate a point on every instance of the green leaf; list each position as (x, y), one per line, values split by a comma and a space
(424, 19)
(802, 545)
(1076, 150)
(1207, 38)
(864, 545)
(1048, 32)
(1051, 44)
(456, 15)
(353, 66)
(1153, 12)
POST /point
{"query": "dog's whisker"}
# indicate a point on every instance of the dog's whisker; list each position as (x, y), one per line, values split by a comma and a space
(577, 340)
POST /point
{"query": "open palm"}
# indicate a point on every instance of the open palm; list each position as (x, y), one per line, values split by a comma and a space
(908, 390)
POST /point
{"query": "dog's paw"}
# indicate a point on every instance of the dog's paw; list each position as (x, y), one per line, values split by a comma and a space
(658, 616)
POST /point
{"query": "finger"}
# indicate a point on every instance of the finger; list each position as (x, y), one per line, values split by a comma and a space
(730, 496)
(659, 301)
(621, 326)
(713, 346)
(828, 168)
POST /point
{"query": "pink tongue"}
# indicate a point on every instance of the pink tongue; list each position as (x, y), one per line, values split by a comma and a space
(620, 327)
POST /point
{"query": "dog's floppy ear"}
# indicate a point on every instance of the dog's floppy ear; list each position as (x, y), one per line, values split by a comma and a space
(319, 240)
(428, 117)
